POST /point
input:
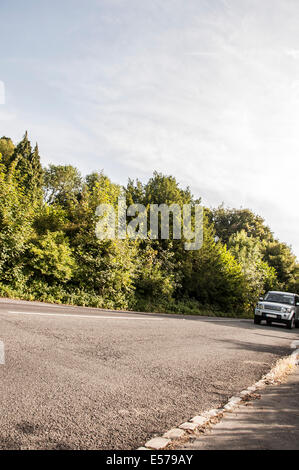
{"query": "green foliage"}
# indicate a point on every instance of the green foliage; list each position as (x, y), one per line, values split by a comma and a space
(62, 185)
(16, 215)
(49, 250)
(50, 218)
(107, 269)
(280, 257)
(227, 222)
(162, 189)
(156, 275)
(50, 257)
(259, 276)
(7, 149)
(28, 169)
(212, 275)
(277, 255)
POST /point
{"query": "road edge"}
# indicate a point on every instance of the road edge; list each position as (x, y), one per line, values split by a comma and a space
(197, 426)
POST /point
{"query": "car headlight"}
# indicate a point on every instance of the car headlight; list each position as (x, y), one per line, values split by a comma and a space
(261, 306)
(287, 310)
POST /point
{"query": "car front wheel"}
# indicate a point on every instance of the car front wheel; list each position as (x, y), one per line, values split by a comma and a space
(291, 323)
(257, 320)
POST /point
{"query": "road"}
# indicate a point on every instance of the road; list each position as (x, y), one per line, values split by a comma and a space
(80, 378)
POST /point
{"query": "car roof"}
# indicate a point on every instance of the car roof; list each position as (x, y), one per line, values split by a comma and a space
(280, 292)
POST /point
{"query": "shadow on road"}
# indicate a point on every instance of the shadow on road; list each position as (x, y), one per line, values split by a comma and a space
(257, 347)
(268, 424)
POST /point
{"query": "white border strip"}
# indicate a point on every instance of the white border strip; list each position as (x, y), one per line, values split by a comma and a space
(183, 432)
(96, 317)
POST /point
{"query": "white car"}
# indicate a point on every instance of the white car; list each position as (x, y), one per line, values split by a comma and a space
(278, 307)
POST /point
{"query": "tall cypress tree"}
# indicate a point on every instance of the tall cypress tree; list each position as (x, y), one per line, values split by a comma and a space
(37, 174)
(28, 168)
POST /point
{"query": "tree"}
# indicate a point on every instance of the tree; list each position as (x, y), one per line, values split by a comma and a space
(105, 268)
(36, 174)
(227, 222)
(259, 276)
(156, 273)
(7, 149)
(280, 257)
(28, 168)
(50, 257)
(49, 249)
(50, 219)
(62, 185)
(16, 215)
(161, 189)
(212, 276)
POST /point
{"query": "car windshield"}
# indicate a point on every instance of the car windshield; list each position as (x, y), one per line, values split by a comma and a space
(280, 298)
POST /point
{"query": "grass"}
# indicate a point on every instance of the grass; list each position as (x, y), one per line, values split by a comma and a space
(281, 370)
(187, 307)
(58, 295)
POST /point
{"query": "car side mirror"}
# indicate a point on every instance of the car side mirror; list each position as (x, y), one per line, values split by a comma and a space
(261, 298)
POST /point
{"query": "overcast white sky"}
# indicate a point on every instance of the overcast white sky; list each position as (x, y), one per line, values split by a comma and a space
(207, 91)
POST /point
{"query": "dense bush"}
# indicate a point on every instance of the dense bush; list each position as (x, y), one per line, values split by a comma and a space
(49, 250)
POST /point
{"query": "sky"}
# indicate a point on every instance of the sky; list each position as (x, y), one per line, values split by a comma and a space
(204, 90)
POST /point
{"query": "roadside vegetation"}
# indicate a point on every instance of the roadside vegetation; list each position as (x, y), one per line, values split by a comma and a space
(49, 250)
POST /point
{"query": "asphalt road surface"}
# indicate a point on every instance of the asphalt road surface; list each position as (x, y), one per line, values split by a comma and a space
(79, 378)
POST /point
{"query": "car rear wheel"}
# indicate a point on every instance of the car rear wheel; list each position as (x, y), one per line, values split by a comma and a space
(257, 321)
(269, 322)
(291, 323)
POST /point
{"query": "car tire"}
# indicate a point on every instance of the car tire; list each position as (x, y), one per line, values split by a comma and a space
(257, 321)
(297, 324)
(291, 324)
(269, 322)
